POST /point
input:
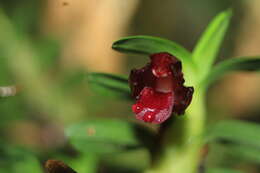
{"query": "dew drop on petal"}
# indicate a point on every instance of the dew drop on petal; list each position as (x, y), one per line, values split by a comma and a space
(154, 107)
(149, 117)
(136, 108)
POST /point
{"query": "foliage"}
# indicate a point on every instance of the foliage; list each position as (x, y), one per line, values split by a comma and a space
(201, 62)
(94, 140)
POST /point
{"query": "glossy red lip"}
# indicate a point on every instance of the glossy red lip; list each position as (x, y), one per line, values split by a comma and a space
(158, 89)
(153, 106)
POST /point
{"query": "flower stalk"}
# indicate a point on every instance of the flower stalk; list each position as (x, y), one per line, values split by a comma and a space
(182, 140)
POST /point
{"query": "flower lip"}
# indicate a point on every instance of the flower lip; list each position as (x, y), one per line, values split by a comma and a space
(153, 106)
(159, 89)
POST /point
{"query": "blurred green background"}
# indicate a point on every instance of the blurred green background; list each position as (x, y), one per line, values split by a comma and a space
(48, 46)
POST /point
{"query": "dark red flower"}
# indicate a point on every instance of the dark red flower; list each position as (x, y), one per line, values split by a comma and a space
(159, 89)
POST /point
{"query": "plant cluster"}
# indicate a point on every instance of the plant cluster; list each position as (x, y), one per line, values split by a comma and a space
(159, 89)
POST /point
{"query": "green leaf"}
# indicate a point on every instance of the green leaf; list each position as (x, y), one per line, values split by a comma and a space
(244, 152)
(222, 170)
(16, 160)
(235, 131)
(87, 163)
(148, 45)
(249, 64)
(209, 43)
(27, 164)
(109, 85)
(228, 154)
(104, 136)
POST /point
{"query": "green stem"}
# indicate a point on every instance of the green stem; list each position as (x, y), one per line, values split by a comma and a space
(182, 140)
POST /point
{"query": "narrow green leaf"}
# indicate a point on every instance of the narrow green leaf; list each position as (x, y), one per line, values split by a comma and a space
(230, 154)
(109, 85)
(222, 170)
(148, 45)
(103, 136)
(236, 131)
(250, 64)
(244, 152)
(209, 43)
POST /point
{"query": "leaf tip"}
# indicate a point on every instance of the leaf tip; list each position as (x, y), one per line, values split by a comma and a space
(229, 12)
(118, 43)
(115, 45)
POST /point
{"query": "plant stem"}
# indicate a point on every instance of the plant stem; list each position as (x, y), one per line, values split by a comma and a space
(182, 140)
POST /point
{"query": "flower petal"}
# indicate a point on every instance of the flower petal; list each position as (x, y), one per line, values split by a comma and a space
(182, 98)
(140, 78)
(152, 106)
